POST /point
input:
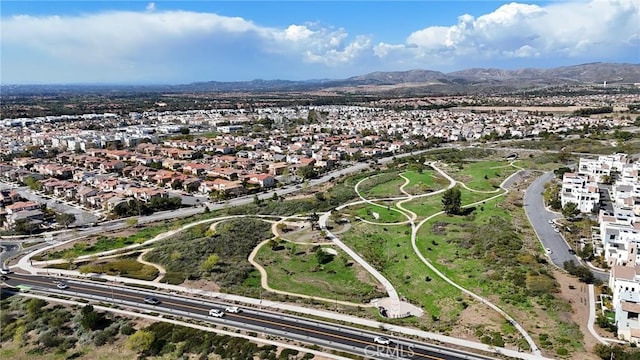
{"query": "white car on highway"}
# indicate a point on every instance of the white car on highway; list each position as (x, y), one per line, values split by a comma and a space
(216, 313)
(381, 340)
(232, 309)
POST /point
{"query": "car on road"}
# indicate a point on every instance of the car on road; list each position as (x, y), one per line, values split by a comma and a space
(151, 300)
(232, 309)
(381, 340)
(62, 286)
(5, 271)
(216, 313)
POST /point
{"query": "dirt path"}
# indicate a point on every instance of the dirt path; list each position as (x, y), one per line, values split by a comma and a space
(161, 270)
(578, 297)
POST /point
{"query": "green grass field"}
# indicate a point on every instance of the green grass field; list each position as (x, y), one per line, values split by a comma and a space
(389, 250)
(470, 197)
(296, 269)
(483, 175)
(126, 267)
(425, 182)
(385, 215)
(383, 185)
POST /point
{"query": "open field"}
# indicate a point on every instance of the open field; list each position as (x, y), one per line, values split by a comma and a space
(424, 182)
(389, 250)
(383, 185)
(296, 268)
(424, 206)
(482, 175)
(378, 214)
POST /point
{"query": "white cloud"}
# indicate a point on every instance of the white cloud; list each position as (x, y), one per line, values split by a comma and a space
(298, 33)
(153, 41)
(114, 36)
(514, 30)
(336, 56)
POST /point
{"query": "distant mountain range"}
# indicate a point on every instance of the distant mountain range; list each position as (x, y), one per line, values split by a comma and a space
(469, 80)
(592, 73)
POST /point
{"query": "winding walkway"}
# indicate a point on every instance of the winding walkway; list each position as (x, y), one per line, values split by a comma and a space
(161, 270)
(414, 231)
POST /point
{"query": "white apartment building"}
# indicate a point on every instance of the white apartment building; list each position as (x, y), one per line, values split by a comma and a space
(603, 166)
(579, 189)
(625, 284)
(620, 237)
(620, 234)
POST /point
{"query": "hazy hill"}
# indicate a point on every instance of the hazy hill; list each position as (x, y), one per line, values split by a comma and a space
(468, 80)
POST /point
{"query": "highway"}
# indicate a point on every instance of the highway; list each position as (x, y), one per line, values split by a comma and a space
(324, 334)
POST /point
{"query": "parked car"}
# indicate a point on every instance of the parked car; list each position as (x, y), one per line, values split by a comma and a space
(151, 300)
(216, 313)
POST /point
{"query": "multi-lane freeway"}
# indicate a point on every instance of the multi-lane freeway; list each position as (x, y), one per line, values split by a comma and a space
(324, 334)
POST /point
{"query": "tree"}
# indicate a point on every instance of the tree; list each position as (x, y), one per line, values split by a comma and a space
(210, 264)
(570, 210)
(323, 257)
(559, 172)
(140, 341)
(551, 196)
(89, 318)
(606, 179)
(32, 183)
(176, 184)
(25, 226)
(451, 201)
(65, 219)
(307, 172)
(314, 218)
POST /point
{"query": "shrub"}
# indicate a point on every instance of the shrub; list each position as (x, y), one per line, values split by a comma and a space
(127, 329)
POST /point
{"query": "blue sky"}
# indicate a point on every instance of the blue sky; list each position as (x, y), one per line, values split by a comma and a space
(167, 42)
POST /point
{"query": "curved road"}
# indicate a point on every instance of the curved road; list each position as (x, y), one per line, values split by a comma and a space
(539, 217)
